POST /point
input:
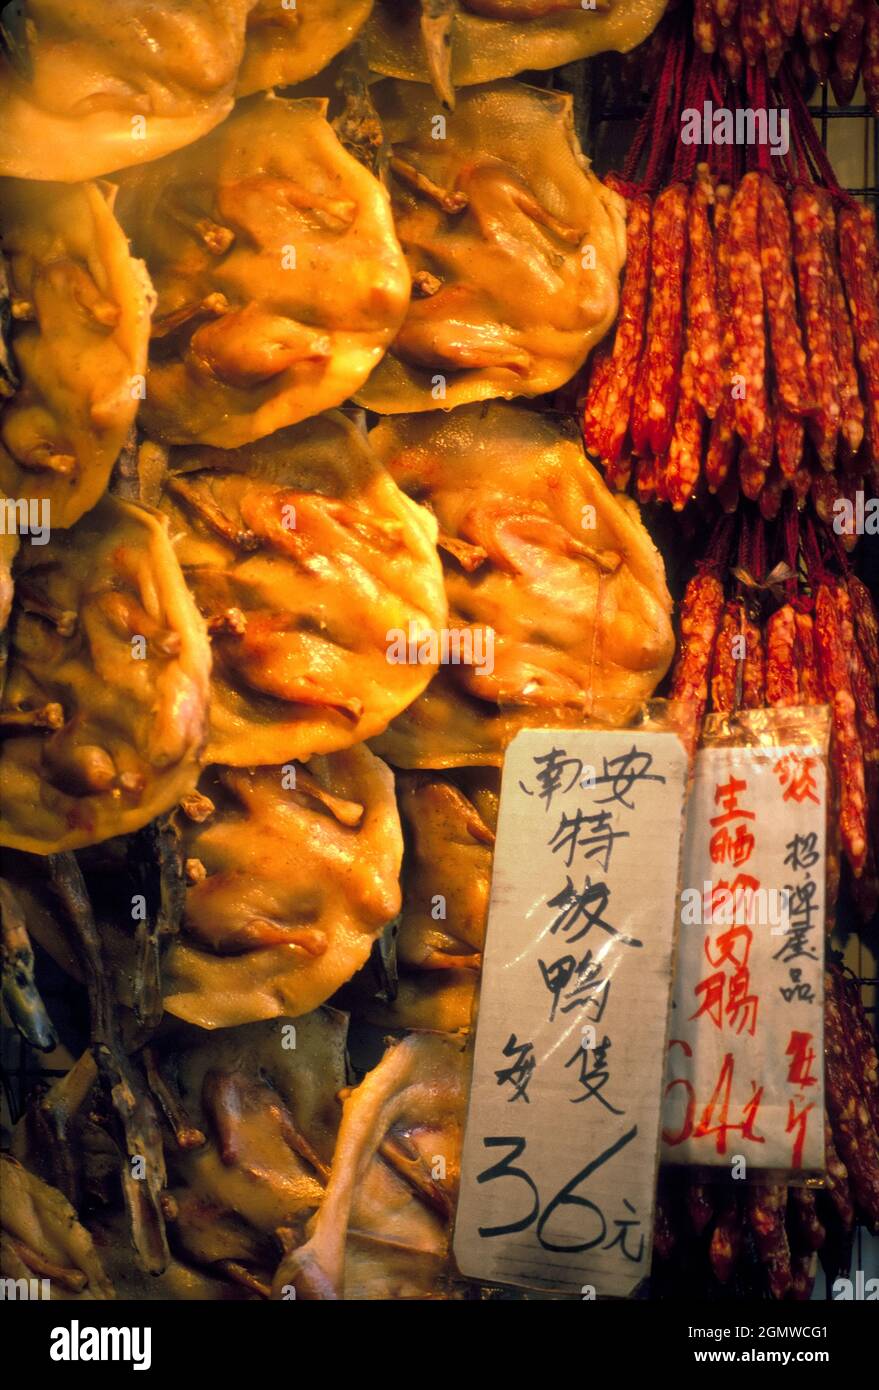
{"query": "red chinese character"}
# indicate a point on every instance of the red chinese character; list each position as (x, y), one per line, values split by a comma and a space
(727, 946)
(795, 775)
(798, 1119)
(802, 1056)
(732, 902)
(741, 1006)
(712, 1002)
(727, 796)
(736, 848)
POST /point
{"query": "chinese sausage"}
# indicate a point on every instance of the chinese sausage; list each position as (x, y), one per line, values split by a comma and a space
(454, 43)
(90, 86)
(556, 579)
(303, 555)
(514, 246)
(104, 711)
(279, 277)
(80, 307)
(292, 873)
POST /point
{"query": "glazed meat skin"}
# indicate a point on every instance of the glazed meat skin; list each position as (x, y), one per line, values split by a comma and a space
(515, 247)
(448, 824)
(81, 313)
(8, 551)
(303, 554)
(537, 552)
(493, 38)
(448, 864)
(41, 1238)
(265, 1098)
(279, 277)
(281, 1134)
(105, 705)
(287, 46)
(292, 876)
(384, 1224)
(99, 85)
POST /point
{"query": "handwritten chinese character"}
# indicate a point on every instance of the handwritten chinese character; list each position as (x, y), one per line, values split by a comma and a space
(593, 1078)
(736, 848)
(623, 772)
(594, 834)
(727, 796)
(802, 851)
(554, 767)
(518, 1074)
(625, 1225)
(591, 989)
(794, 773)
(587, 906)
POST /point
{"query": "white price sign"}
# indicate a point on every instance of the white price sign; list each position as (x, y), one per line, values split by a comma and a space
(562, 1136)
(745, 1068)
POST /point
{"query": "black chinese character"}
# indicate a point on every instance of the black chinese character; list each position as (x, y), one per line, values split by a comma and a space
(518, 1074)
(587, 906)
(593, 834)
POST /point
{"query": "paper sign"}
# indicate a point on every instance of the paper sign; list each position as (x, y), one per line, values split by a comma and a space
(562, 1136)
(745, 1066)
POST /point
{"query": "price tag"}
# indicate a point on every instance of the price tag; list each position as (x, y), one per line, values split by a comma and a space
(745, 1065)
(562, 1136)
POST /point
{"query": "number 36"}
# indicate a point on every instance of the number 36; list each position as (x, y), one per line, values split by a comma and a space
(565, 1197)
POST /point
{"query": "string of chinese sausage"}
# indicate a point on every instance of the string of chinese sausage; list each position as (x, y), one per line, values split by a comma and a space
(770, 1237)
(810, 636)
(746, 356)
(744, 366)
(837, 40)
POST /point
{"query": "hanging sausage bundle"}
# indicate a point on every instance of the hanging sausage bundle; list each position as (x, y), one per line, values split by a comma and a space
(746, 357)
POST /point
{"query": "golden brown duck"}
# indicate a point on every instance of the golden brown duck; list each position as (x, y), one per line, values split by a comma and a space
(514, 246)
(287, 44)
(293, 872)
(81, 310)
(41, 1238)
(558, 576)
(447, 870)
(454, 43)
(303, 554)
(250, 1146)
(384, 1224)
(426, 977)
(433, 1001)
(104, 711)
(279, 277)
(87, 86)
